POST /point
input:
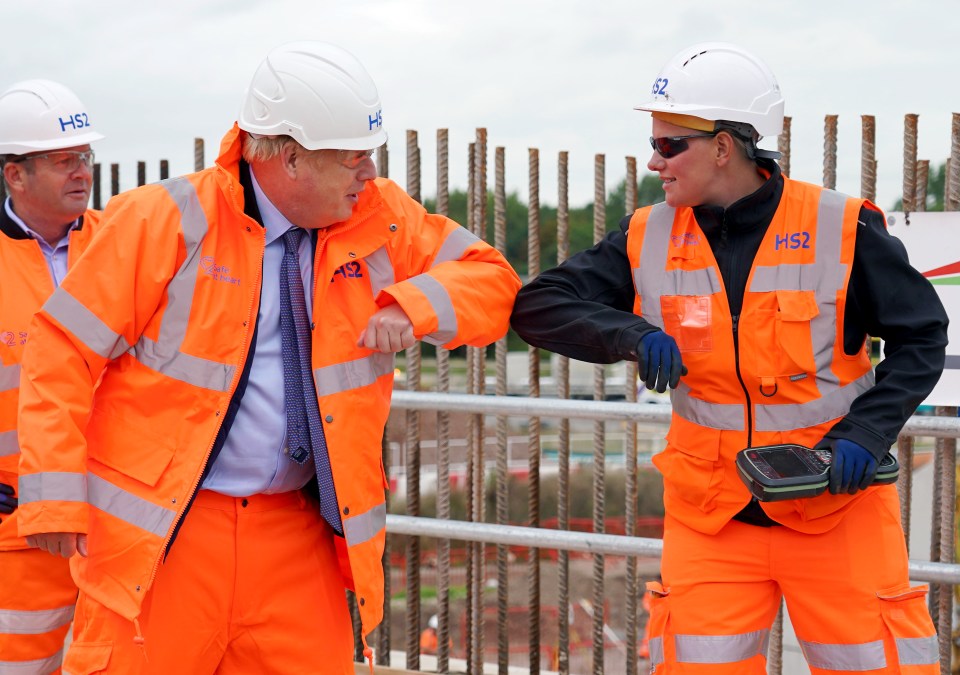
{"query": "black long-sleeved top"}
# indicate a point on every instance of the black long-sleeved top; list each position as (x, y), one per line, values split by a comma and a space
(584, 308)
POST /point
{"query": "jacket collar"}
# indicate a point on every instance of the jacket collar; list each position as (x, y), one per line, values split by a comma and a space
(753, 211)
(14, 231)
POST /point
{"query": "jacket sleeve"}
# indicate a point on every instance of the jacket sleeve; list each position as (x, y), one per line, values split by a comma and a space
(454, 287)
(889, 299)
(95, 315)
(584, 308)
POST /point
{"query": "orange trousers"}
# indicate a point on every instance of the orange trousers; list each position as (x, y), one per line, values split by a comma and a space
(847, 592)
(37, 596)
(251, 585)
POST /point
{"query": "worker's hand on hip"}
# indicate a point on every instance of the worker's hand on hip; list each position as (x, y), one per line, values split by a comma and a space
(659, 361)
(63, 544)
(852, 467)
(8, 501)
(388, 330)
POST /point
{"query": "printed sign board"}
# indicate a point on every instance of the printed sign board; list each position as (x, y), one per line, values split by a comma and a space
(932, 241)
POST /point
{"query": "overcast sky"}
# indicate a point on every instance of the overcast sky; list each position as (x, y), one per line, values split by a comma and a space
(554, 75)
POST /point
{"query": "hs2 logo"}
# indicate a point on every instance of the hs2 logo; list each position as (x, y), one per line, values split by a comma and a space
(660, 86)
(350, 270)
(792, 240)
(78, 121)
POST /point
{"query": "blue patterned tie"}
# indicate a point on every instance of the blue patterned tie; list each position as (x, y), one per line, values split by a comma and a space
(304, 428)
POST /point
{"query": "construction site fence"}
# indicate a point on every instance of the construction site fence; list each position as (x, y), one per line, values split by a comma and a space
(583, 617)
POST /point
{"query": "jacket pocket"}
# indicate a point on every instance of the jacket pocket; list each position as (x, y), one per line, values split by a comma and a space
(86, 658)
(657, 623)
(131, 451)
(797, 310)
(691, 463)
(904, 612)
(688, 320)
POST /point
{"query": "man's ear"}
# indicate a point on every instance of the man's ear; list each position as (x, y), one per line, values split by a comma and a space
(289, 156)
(14, 174)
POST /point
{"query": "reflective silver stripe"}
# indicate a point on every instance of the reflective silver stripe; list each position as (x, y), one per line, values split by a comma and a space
(922, 651)
(34, 622)
(9, 377)
(164, 355)
(85, 325)
(352, 374)
(835, 403)
(656, 651)
(35, 667)
(184, 367)
(851, 658)
(128, 507)
(832, 276)
(768, 278)
(691, 282)
(442, 306)
(458, 241)
(55, 486)
(8, 443)
(380, 271)
(825, 275)
(720, 648)
(364, 527)
(648, 276)
(729, 416)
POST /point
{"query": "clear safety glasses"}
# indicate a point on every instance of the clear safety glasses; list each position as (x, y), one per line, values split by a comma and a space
(353, 158)
(62, 161)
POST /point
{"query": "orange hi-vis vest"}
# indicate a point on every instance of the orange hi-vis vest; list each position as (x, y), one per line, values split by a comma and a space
(26, 285)
(777, 373)
(164, 306)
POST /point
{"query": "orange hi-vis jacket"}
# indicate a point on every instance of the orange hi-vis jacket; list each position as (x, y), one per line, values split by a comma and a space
(164, 306)
(777, 373)
(25, 287)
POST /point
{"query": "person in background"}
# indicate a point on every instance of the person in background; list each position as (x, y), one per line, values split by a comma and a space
(429, 640)
(45, 156)
(228, 485)
(751, 296)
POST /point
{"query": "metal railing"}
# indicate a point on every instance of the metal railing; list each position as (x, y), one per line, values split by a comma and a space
(945, 575)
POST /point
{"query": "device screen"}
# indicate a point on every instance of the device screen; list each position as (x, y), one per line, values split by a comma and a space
(786, 463)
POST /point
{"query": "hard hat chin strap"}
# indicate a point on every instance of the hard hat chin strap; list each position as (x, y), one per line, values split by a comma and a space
(746, 134)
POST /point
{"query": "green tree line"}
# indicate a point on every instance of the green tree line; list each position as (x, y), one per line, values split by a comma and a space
(936, 184)
(580, 218)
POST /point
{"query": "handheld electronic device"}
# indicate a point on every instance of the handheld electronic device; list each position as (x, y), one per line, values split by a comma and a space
(777, 472)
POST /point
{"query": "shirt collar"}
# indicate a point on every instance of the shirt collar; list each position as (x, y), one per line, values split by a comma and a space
(8, 206)
(274, 222)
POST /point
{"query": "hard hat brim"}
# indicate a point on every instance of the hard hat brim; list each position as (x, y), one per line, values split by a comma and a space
(57, 144)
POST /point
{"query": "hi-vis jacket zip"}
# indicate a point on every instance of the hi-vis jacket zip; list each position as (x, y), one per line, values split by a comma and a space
(774, 373)
(161, 306)
(26, 285)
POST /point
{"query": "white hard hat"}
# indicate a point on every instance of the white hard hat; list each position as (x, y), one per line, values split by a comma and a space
(38, 115)
(433, 622)
(719, 81)
(317, 93)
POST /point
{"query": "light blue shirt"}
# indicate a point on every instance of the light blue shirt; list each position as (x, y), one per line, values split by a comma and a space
(254, 458)
(56, 256)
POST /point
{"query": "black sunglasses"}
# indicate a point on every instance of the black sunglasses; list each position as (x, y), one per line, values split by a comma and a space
(671, 146)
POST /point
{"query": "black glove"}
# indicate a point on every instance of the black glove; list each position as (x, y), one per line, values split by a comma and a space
(852, 467)
(659, 359)
(7, 501)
